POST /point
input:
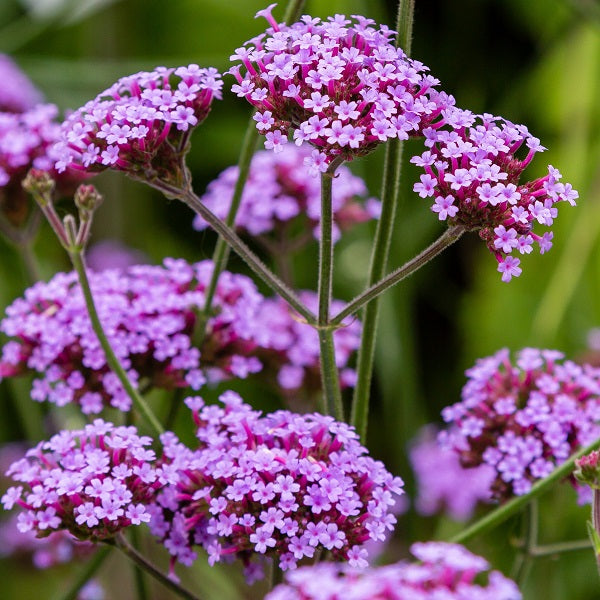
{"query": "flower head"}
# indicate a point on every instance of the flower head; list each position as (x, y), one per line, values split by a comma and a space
(279, 194)
(473, 175)
(17, 94)
(340, 85)
(92, 482)
(282, 484)
(141, 124)
(148, 313)
(524, 419)
(443, 483)
(444, 571)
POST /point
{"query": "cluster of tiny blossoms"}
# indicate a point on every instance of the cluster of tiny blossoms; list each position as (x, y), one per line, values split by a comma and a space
(524, 419)
(92, 482)
(141, 124)
(473, 174)
(281, 485)
(17, 93)
(148, 313)
(443, 484)
(340, 85)
(444, 571)
(291, 348)
(278, 191)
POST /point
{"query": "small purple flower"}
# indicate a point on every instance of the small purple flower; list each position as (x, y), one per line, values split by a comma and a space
(149, 313)
(473, 173)
(444, 571)
(279, 196)
(288, 497)
(103, 502)
(531, 416)
(340, 85)
(140, 125)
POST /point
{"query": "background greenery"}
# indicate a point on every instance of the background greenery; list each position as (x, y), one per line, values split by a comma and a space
(534, 62)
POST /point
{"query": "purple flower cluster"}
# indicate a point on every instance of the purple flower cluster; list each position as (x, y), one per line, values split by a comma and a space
(340, 85)
(278, 191)
(291, 348)
(92, 482)
(17, 93)
(141, 124)
(26, 141)
(443, 483)
(281, 485)
(148, 313)
(445, 572)
(473, 173)
(523, 419)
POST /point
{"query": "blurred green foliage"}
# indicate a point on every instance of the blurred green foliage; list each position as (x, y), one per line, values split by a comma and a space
(535, 62)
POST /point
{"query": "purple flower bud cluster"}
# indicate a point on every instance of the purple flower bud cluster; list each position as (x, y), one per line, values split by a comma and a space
(277, 192)
(523, 419)
(280, 485)
(291, 348)
(93, 482)
(340, 85)
(444, 572)
(443, 484)
(473, 174)
(141, 124)
(148, 313)
(17, 93)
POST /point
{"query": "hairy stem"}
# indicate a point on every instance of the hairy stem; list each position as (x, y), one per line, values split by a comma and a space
(122, 544)
(381, 246)
(507, 510)
(78, 260)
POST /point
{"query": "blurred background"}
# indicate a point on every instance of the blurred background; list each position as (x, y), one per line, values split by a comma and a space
(535, 62)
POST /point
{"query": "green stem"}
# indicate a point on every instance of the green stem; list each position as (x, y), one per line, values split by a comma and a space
(85, 574)
(502, 513)
(524, 558)
(138, 573)
(381, 246)
(78, 260)
(260, 269)
(293, 11)
(221, 251)
(329, 372)
(450, 235)
(122, 544)
(560, 547)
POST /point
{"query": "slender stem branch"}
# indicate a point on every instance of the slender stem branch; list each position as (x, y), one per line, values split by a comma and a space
(329, 371)
(221, 251)
(502, 513)
(524, 558)
(86, 573)
(449, 236)
(78, 260)
(234, 241)
(138, 574)
(381, 247)
(560, 547)
(122, 544)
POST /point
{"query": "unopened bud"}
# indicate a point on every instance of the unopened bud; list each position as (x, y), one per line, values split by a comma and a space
(587, 469)
(40, 185)
(87, 199)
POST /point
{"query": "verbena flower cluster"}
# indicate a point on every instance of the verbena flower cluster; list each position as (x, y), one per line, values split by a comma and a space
(141, 124)
(473, 174)
(444, 572)
(524, 419)
(17, 93)
(148, 313)
(93, 482)
(340, 85)
(443, 484)
(278, 193)
(280, 485)
(291, 348)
